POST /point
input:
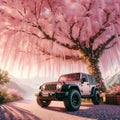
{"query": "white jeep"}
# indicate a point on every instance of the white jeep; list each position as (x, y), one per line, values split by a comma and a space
(69, 88)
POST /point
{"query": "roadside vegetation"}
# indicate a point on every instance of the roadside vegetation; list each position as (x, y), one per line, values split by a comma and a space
(7, 94)
(114, 89)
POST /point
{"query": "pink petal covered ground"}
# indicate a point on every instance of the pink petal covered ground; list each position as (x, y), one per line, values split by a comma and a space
(29, 110)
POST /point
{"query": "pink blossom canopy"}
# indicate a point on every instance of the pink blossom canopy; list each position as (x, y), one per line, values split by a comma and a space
(33, 34)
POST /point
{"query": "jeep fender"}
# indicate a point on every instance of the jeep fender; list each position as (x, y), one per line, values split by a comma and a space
(93, 90)
(67, 87)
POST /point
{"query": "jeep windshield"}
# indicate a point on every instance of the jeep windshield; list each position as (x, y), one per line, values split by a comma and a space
(70, 77)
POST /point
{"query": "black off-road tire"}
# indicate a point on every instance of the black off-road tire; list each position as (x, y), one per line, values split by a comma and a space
(43, 103)
(96, 98)
(73, 101)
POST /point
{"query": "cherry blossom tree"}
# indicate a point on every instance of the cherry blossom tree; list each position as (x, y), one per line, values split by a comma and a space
(82, 29)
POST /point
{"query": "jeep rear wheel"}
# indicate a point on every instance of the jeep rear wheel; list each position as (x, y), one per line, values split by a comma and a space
(96, 98)
(73, 101)
(43, 103)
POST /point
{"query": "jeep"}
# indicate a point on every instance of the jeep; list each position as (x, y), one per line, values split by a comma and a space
(69, 88)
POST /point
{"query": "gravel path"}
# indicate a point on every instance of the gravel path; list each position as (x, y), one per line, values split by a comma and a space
(29, 110)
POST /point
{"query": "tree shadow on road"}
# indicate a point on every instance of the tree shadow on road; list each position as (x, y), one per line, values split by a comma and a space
(98, 112)
(9, 112)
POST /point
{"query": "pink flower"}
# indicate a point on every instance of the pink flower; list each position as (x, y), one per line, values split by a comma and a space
(115, 89)
(14, 93)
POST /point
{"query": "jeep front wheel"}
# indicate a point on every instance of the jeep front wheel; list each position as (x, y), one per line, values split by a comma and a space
(96, 98)
(43, 103)
(73, 101)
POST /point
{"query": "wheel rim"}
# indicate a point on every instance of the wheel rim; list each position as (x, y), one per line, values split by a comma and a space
(44, 101)
(75, 100)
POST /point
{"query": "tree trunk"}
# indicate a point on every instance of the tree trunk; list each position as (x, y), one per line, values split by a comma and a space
(94, 70)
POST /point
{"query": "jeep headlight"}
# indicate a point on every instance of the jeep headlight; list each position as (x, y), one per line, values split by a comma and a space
(59, 85)
(42, 87)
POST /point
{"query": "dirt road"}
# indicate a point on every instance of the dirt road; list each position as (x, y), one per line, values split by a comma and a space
(29, 110)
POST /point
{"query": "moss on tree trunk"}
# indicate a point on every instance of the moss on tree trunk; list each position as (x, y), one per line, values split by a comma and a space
(94, 69)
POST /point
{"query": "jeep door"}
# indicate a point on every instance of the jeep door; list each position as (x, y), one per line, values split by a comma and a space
(85, 86)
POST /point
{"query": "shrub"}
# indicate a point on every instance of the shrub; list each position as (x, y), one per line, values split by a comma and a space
(115, 89)
(14, 94)
(9, 95)
(4, 77)
(3, 94)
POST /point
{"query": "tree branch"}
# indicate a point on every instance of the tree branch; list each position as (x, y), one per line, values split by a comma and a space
(99, 50)
(108, 13)
(45, 52)
(39, 12)
(20, 12)
(71, 32)
(107, 16)
(102, 29)
(72, 47)
(111, 45)
(89, 6)
(34, 34)
(50, 5)
(46, 36)
(108, 41)
(79, 33)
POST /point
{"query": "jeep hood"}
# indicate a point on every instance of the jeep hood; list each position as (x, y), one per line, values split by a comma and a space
(66, 82)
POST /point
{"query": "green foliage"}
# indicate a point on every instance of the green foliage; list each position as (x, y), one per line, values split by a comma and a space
(3, 94)
(7, 95)
(94, 70)
(114, 84)
(3, 77)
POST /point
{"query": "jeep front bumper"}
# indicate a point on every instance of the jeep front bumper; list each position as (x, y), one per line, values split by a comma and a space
(52, 96)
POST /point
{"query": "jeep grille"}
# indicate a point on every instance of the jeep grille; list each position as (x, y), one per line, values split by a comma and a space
(50, 87)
